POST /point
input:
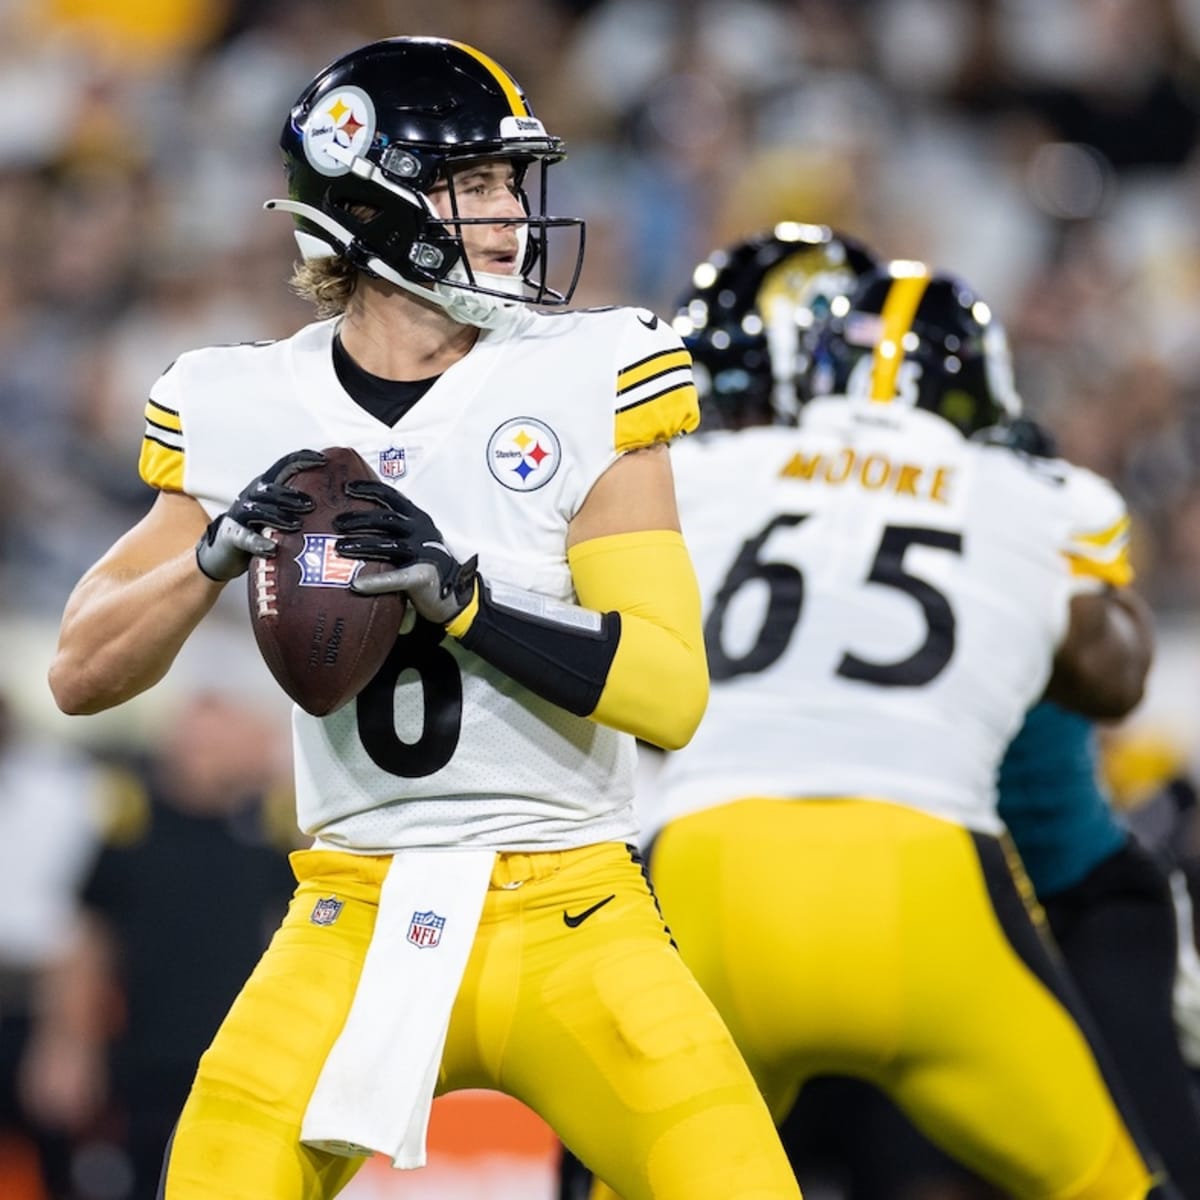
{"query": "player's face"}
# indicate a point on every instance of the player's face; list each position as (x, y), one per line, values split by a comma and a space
(487, 188)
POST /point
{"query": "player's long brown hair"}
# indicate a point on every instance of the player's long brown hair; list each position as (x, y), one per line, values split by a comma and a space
(327, 283)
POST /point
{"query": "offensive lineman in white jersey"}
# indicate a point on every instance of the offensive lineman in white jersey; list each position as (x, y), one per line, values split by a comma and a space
(471, 914)
(883, 603)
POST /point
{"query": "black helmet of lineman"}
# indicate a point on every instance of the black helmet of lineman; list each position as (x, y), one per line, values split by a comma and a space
(376, 129)
(751, 312)
(909, 336)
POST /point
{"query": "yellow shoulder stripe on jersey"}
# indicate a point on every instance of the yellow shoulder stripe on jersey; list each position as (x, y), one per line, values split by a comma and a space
(657, 418)
(158, 416)
(1104, 537)
(1117, 571)
(648, 368)
(161, 466)
(161, 461)
(899, 308)
(501, 76)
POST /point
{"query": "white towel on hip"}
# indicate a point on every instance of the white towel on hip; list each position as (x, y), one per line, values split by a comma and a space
(376, 1086)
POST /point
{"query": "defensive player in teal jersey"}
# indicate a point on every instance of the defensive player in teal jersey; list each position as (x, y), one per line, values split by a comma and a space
(1109, 907)
(1058, 816)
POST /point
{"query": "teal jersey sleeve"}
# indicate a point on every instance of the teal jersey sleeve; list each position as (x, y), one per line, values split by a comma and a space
(1052, 800)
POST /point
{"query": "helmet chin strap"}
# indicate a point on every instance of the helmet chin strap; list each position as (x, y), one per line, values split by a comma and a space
(466, 307)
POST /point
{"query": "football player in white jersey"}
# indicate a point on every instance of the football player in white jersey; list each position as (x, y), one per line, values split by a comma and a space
(882, 605)
(471, 913)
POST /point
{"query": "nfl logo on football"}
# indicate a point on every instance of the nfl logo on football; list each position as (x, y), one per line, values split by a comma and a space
(391, 463)
(425, 929)
(322, 566)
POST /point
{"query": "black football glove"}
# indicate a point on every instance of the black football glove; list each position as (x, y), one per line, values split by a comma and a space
(400, 533)
(233, 538)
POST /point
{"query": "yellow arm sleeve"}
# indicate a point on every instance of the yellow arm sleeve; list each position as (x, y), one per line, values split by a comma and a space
(657, 685)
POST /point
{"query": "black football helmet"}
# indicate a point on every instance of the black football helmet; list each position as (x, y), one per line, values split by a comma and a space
(376, 129)
(751, 313)
(909, 336)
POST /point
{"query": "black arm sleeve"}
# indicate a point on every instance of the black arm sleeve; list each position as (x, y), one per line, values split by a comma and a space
(565, 664)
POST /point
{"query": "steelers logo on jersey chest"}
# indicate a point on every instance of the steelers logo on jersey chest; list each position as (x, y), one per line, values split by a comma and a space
(523, 454)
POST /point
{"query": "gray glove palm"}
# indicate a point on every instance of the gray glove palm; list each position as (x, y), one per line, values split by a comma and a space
(232, 539)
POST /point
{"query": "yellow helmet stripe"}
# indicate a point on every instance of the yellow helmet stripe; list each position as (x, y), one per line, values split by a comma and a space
(502, 77)
(899, 308)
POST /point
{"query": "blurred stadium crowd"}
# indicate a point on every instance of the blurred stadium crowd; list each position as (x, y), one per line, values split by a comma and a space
(1047, 152)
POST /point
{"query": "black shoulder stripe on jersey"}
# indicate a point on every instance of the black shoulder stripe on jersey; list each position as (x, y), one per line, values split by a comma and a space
(149, 437)
(641, 362)
(630, 387)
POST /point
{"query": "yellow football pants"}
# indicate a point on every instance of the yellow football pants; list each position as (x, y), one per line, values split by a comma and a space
(864, 938)
(594, 1023)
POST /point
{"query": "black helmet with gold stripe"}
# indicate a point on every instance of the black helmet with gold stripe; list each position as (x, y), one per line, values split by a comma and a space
(377, 129)
(914, 337)
(749, 313)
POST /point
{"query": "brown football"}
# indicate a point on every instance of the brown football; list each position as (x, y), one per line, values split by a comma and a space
(322, 642)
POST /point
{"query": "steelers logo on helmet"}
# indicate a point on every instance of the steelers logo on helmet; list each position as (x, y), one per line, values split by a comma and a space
(340, 127)
(523, 454)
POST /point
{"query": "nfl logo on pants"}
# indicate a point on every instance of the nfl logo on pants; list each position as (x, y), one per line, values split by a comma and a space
(425, 929)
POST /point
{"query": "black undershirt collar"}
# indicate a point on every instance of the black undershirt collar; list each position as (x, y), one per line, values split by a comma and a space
(387, 400)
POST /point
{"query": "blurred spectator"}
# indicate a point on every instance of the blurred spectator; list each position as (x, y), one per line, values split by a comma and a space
(143, 144)
(1151, 779)
(50, 814)
(177, 910)
(137, 35)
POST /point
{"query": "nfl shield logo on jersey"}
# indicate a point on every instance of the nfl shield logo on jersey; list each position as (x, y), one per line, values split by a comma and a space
(392, 464)
(326, 910)
(322, 566)
(425, 929)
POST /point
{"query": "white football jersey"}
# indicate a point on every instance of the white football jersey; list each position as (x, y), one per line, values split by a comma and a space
(883, 600)
(441, 748)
